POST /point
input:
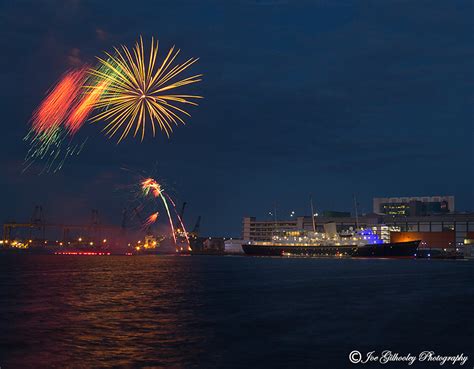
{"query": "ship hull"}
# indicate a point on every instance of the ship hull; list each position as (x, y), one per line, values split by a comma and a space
(282, 250)
(388, 250)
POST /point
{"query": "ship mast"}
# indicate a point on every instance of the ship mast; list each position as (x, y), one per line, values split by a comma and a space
(312, 212)
(356, 212)
(275, 218)
(275, 212)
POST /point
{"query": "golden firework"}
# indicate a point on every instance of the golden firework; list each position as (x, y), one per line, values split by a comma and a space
(138, 90)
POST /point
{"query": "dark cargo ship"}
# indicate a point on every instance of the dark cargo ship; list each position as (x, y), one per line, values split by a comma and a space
(361, 243)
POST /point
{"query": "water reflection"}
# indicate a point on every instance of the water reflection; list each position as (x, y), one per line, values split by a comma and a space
(224, 312)
(109, 310)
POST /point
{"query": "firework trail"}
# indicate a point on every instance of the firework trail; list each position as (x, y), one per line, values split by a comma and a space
(92, 90)
(52, 148)
(180, 221)
(151, 219)
(137, 90)
(48, 137)
(58, 118)
(84, 107)
(151, 186)
(55, 107)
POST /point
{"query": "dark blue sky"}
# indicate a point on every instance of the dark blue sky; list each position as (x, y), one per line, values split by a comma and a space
(322, 97)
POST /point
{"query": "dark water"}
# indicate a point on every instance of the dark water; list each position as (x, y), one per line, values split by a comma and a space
(228, 312)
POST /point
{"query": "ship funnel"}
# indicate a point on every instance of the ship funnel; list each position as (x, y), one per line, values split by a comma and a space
(330, 229)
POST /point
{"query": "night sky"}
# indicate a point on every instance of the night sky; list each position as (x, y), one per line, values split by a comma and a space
(324, 97)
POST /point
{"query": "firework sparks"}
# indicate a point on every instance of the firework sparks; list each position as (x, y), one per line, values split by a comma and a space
(151, 186)
(82, 110)
(128, 90)
(55, 107)
(137, 91)
(151, 219)
(48, 136)
(51, 147)
(180, 222)
(58, 118)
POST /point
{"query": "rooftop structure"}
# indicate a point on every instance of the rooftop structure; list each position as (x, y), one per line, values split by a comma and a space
(414, 206)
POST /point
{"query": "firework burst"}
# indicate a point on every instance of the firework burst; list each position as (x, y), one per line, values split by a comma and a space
(138, 91)
(50, 139)
(151, 219)
(56, 106)
(52, 148)
(60, 116)
(83, 108)
(150, 186)
(128, 90)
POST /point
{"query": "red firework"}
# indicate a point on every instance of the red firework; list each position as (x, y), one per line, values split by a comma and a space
(55, 107)
(83, 108)
(151, 219)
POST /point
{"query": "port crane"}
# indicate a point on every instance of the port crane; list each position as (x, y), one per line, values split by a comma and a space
(37, 223)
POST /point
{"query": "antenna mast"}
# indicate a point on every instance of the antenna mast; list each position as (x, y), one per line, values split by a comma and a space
(356, 212)
(312, 212)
